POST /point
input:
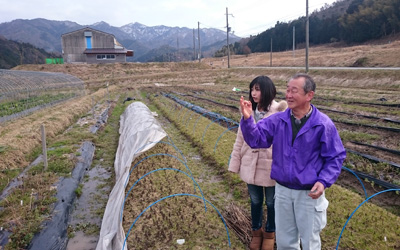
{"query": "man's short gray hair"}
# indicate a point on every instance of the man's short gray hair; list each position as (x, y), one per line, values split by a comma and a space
(309, 84)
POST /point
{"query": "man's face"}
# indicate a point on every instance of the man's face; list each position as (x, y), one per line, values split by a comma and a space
(295, 95)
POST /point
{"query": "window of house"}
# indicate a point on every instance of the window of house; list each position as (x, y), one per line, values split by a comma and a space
(105, 57)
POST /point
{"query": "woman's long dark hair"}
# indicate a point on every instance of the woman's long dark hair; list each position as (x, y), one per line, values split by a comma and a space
(268, 92)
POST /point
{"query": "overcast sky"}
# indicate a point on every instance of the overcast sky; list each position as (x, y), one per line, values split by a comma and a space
(246, 17)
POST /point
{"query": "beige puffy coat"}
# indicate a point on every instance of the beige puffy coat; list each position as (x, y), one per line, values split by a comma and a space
(254, 165)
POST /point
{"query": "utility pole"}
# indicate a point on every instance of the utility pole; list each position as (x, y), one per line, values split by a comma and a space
(177, 45)
(270, 55)
(194, 46)
(307, 35)
(294, 46)
(21, 54)
(198, 34)
(227, 36)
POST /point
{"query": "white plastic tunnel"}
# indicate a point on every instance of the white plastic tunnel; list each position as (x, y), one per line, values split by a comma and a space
(138, 127)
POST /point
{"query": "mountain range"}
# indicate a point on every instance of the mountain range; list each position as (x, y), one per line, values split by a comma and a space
(147, 42)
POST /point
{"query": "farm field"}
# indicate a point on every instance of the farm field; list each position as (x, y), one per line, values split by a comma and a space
(364, 104)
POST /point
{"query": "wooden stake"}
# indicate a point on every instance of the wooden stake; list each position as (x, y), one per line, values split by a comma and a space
(44, 149)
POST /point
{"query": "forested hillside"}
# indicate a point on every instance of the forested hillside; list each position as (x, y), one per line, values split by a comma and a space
(347, 21)
(14, 53)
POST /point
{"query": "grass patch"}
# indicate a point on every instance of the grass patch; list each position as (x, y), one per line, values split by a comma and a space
(78, 190)
(107, 140)
(347, 135)
(7, 175)
(24, 210)
(60, 151)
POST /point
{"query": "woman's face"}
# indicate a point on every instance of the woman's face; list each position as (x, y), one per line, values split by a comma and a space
(256, 93)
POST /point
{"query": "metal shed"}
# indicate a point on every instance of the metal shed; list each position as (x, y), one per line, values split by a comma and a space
(88, 45)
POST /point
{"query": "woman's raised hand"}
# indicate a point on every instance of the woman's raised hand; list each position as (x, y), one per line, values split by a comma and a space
(245, 107)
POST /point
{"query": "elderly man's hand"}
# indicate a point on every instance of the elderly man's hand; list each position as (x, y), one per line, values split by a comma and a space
(317, 190)
(245, 107)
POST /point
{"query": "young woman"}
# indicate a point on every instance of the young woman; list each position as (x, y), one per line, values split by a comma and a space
(254, 165)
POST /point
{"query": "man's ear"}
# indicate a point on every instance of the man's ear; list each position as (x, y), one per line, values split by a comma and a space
(310, 95)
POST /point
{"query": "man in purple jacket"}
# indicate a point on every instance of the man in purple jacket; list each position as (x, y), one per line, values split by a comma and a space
(307, 158)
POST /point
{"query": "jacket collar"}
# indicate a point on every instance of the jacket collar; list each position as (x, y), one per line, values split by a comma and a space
(314, 119)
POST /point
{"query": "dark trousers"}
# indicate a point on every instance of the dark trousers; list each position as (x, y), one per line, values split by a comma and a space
(257, 199)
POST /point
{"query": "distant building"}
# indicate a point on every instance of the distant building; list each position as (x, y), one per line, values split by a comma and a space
(88, 45)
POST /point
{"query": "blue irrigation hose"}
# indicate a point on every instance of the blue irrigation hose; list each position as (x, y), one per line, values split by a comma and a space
(152, 156)
(222, 135)
(198, 109)
(175, 108)
(187, 122)
(337, 246)
(203, 115)
(204, 133)
(183, 116)
(130, 189)
(179, 108)
(168, 143)
(177, 149)
(351, 171)
(222, 218)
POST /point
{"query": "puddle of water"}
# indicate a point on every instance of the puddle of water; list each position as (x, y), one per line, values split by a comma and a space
(91, 199)
(82, 242)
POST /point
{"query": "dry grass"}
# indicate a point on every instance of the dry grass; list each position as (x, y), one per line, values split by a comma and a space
(21, 136)
(377, 55)
(239, 221)
(383, 53)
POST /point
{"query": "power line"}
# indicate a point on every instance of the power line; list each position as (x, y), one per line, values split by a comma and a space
(228, 29)
(287, 18)
(211, 27)
(255, 30)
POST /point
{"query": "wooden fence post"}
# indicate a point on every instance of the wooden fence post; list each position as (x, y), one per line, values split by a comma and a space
(92, 107)
(108, 94)
(44, 149)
